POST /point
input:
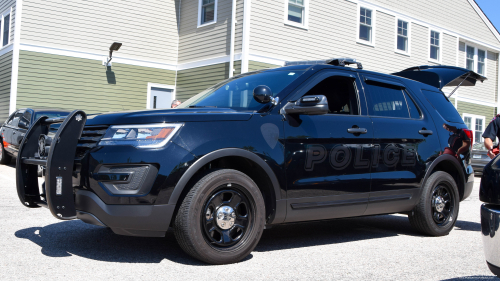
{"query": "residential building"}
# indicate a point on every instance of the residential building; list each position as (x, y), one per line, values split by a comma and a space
(54, 53)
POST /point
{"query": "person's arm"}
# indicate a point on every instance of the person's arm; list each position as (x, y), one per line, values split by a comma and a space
(488, 143)
(464, 148)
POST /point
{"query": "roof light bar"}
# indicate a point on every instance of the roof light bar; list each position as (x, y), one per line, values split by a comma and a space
(334, 61)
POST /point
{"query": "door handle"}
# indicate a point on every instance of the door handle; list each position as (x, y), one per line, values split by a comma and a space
(357, 131)
(425, 132)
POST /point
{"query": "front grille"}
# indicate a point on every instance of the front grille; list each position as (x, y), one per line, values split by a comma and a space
(91, 136)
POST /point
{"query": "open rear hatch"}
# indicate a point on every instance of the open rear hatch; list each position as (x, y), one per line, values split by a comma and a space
(442, 76)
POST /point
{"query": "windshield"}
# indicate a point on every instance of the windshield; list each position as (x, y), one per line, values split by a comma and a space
(237, 92)
(50, 114)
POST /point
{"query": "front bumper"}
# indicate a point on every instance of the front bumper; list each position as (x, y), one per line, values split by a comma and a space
(131, 220)
(490, 219)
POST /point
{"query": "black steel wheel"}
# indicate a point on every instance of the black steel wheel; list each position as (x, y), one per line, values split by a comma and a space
(442, 204)
(227, 216)
(222, 217)
(437, 210)
(4, 157)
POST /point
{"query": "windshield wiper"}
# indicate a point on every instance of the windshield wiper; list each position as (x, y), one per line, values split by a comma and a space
(201, 106)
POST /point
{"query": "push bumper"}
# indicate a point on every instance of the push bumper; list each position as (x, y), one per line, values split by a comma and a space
(131, 220)
(490, 219)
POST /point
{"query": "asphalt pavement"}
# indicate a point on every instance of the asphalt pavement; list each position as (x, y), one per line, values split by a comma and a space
(35, 246)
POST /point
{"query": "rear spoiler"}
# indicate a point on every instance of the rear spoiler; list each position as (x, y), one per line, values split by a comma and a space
(442, 76)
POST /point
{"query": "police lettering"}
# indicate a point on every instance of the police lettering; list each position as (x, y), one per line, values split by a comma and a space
(341, 156)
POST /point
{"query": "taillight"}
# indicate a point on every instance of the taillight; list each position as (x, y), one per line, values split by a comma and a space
(470, 135)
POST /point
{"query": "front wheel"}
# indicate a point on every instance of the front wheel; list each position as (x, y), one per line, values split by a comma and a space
(4, 158)
(221, 219)
(437, 211)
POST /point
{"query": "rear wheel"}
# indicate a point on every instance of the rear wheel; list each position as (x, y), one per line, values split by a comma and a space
(4, 157)
(437, 211)
(221, 219)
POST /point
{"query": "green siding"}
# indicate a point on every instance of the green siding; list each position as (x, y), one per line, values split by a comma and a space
(5, 80)
(54, 81)
(194, 80)
(471, 108)
(255, 65)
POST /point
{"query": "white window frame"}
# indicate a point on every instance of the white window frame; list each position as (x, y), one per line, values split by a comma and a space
(408, 52)
(476, 58)
(374, 25)
(200, 4)
(162, 86)
(305, 16)
(440, 46)
(473, 124)
(2, 26)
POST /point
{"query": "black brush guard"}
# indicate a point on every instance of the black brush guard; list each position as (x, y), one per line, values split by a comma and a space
(59, 165)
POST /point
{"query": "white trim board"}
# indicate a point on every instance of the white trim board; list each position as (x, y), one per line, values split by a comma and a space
(245, 48)
(93, 56)
(424, 23)
(484, 103)
(15, 57)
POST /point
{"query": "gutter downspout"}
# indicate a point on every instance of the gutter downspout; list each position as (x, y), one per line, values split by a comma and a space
(498, 83)
(15, 57)
(231, 48)
(246, 36)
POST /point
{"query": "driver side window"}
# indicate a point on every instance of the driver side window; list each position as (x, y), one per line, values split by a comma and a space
(341, 94)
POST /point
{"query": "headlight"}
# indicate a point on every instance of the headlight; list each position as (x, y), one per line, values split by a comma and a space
(140, 136)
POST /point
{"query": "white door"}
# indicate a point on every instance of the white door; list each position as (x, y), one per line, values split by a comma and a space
(161, 98)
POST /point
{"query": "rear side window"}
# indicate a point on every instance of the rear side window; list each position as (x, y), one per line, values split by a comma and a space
(414, 113)
(443, 106)
(387, 102)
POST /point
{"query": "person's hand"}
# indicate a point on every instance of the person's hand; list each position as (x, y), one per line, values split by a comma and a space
(491, 154)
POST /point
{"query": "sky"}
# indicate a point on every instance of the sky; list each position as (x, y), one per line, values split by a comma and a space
(492, 10)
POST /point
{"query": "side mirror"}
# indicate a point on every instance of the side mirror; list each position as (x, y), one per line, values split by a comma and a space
(308, 105)
(263, 94)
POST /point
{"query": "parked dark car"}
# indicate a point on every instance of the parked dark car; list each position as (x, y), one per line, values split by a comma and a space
(13, 129)
(308, 141)
(489, 193)
(479, 157)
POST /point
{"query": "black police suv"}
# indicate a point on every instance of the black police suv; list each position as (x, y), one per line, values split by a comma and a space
(308, 141)
(13, 129)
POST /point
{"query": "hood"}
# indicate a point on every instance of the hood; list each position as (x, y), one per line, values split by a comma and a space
(169, 115)
(441, 76)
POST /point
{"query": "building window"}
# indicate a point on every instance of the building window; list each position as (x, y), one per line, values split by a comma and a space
(476, 124)
(296, 11)
(402, 41)
(475, 59)
(5, 27)
(365, 24)
(435, 46)
(481, 58)
(470, 58)
(207, 12)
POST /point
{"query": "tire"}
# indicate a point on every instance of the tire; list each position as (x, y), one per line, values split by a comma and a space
(203, 226)
(437, 211)
(4, 157)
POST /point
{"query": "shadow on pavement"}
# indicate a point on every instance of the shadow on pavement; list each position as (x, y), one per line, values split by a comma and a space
(467, 225)
(475, 277)
(68, 238)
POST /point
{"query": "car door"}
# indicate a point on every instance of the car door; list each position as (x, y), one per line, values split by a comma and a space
(327, 159)
(405, 139)
(9, 130)
(19, 131)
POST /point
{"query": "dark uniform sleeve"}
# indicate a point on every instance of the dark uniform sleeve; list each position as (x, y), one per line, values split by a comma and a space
(493, 129)
(463, 136)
